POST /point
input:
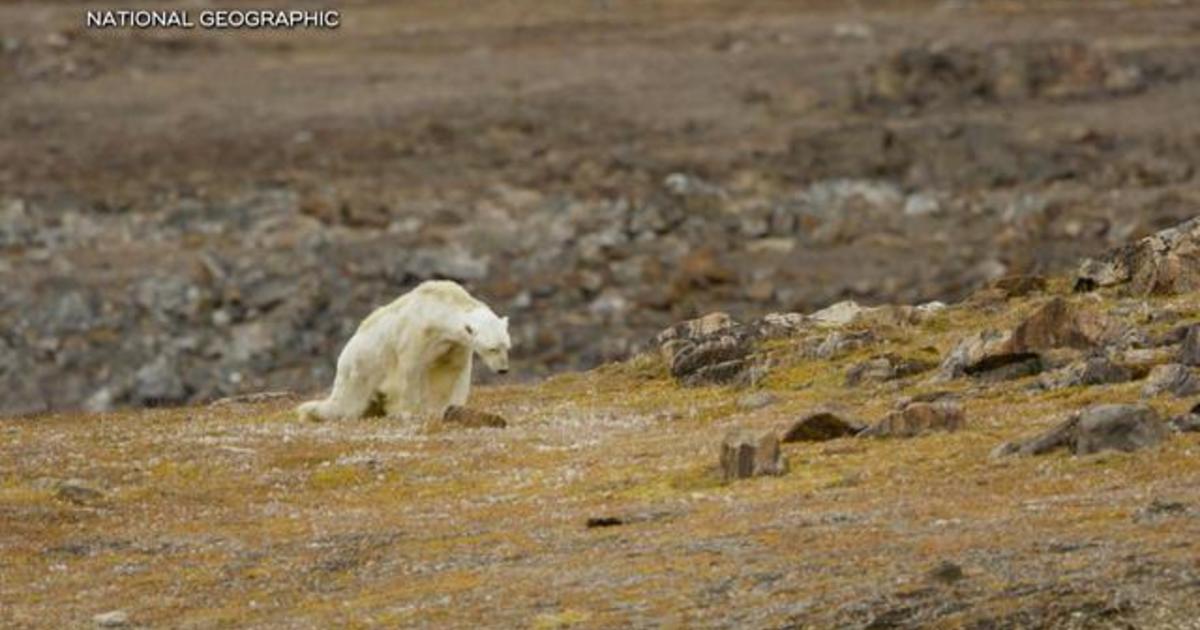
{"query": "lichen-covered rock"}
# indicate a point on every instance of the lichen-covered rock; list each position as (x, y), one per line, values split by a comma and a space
(887, 367)
(1092, 371)
(1099, 428)
(822, 425)
(1167, 262)
(1174, 378)
(919, 418)
(751, 453)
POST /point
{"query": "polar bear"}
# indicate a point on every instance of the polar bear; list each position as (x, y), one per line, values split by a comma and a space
(414, 355)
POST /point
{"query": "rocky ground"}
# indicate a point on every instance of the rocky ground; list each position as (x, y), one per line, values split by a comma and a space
(1023, 459)
(189, 215)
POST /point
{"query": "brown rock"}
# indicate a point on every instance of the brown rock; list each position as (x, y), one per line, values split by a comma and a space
(751, 453)
(918, 419)
(472, 418)
(1019, 285)
(672, 339)
(822, 425)
(1164, 263)
(1060, 324)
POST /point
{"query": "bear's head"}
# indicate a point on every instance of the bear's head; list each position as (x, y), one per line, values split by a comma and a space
(489, 339)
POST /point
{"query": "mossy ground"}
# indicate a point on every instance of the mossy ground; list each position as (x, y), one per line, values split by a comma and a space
(242, 516)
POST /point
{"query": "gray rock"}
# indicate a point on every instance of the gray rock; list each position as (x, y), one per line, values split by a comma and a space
(1189, 349)
(1093, 371)
(159, 382)
(1099, 428)
(1185, 423)
(1175, 379)
(887, 367)
(750, 453)
(1119, 428)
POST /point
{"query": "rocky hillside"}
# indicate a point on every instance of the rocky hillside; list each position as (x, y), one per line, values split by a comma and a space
(185, 217)
(1025, 458)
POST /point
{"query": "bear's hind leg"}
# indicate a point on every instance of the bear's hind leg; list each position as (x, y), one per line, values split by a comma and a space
(353, 391)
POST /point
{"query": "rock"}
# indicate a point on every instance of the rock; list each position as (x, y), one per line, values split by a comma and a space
(918, 419)
(756, 400)
(1060, 324)
(111, 619)
(887, 367)
(78, 492)
(710, 350)
(472, 418)
(1118, 427)
(996, 355)
(839, 314)
(672, 339)
(1189, 349)
(946, 572)
(822, 425)
(1095, 429)
(1185, 423)
(1164, 263)
(1174, 378)
(774, 325)
(1093, 371)
(751, 453)
(159, 382)
(1019, 285)
(841, 342)
(988, 355)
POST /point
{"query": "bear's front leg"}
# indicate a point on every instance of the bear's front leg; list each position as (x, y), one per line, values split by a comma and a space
(401, 392)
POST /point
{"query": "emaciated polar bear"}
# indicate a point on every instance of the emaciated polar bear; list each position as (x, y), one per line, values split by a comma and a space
(415, 355)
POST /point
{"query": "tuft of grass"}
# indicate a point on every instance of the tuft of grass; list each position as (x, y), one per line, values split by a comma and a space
(334, 477)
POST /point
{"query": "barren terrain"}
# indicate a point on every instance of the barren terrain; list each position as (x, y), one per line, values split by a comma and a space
(191, 214)
(187, 217)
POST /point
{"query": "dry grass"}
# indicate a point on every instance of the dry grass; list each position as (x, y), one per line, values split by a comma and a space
(241, 516)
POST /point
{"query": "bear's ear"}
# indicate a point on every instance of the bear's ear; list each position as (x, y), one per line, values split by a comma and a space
(505, 320)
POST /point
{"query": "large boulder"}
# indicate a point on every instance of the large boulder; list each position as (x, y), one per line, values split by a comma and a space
(1057, 324)
(1164, 263)
(1100, 428)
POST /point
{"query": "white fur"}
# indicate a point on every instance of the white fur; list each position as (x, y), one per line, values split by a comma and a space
(416, 353)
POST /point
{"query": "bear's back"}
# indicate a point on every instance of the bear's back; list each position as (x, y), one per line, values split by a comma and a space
(444, 293)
